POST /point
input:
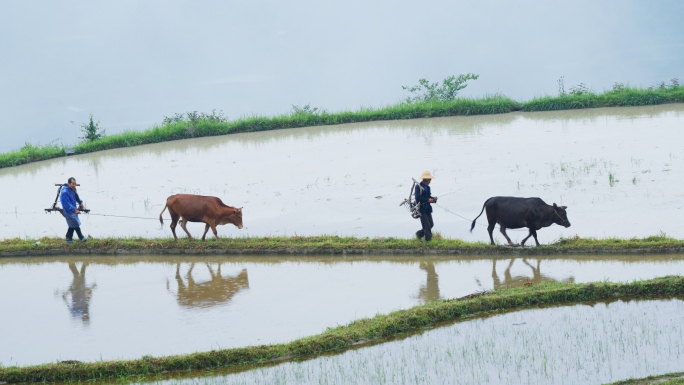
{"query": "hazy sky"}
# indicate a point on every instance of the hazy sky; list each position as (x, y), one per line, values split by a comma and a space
(130, 63)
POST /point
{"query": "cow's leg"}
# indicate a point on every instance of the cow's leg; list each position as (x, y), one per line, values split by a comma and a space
(526, 238)
(503, 231)
(213, 228)
(183, 223)
(534, 234)
(174, 222)
(206, 229)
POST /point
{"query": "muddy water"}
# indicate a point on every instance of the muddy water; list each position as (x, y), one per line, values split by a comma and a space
(582, 344)
(127, 307)
(620, 171)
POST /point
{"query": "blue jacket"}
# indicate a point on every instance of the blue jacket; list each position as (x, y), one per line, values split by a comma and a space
(425, 207)
(69, 201)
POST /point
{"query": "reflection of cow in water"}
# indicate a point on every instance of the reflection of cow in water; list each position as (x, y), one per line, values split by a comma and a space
(217, 290)
(520, 280)
(80, 294)
(430, 291)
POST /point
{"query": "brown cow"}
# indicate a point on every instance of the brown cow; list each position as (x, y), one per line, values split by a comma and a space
(198, 208)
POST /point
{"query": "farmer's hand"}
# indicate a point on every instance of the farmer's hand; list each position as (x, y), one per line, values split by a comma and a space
(434, 199)
(76, 212)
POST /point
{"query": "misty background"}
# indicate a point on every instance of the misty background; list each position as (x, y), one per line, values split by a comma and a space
(130, 63)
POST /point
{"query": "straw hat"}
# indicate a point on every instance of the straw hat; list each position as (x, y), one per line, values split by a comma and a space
(426, 175)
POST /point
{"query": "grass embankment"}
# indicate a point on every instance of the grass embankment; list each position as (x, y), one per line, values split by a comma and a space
(664, 379)
(211, 125)
(356, 333)
(618, 97)
(332, 245)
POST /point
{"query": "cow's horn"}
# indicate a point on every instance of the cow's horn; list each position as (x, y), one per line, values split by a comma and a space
(564, 207)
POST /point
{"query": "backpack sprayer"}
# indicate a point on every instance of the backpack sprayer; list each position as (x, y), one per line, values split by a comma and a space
(413, 206)
(59, 209)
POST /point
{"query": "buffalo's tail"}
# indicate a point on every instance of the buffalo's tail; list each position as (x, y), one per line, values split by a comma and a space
(160, 215)
(483, 208)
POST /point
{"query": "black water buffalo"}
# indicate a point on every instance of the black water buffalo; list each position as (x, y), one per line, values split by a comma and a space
(514, 213)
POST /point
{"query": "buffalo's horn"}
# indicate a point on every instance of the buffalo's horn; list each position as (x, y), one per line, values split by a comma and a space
(564, 207)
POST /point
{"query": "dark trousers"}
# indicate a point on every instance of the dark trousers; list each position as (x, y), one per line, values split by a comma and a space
(70, 233)
(428, 224)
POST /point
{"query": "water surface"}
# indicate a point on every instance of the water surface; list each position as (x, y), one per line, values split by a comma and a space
(582, 344)
(126, 307)
(349, 179)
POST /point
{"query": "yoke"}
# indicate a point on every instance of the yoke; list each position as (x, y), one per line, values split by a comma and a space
(59, 209)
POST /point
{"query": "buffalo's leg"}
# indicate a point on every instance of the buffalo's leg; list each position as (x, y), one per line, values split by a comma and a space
(491, 219)
(534, 234)
(183, 223)
(490, 229)
(503, 231)
(206, 229)
(526, 238)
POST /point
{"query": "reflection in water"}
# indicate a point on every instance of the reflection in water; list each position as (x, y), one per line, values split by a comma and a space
(216, 291)
(429, 291)
(520, 280)
(580, 344)
(80, 294)
(243, 292)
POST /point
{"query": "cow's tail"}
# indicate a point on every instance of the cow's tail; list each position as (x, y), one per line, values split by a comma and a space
(160, 215)
(483, 208)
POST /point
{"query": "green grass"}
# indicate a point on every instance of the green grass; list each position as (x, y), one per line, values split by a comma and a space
(622, 97)
(193, 128)
(331, 245)
(209, 125)
(664, 379)
(358, 332)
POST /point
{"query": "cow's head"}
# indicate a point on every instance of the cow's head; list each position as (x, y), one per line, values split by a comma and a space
(561, 217)
(232, 215)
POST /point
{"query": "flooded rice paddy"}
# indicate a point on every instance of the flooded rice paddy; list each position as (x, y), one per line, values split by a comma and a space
(620, 171)
(582, 344)
(87, 309)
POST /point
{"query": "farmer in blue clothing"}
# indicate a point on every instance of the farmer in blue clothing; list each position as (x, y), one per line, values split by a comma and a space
(422, 194)
(71, 204)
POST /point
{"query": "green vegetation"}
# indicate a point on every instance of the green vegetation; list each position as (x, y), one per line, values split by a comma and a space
(333, 245)
(431, 100)
(92, 131)
(358, 332)
(665, 379)
(448, 90)
(619, 96)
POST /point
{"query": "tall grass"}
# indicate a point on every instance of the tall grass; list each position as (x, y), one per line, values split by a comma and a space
(357, 332)
(200, 125)
(617, 97)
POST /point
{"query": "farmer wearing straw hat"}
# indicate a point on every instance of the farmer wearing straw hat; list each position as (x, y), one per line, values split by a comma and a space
(422, 194)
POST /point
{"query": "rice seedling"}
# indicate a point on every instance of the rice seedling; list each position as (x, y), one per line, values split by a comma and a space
(611, 179)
